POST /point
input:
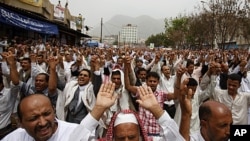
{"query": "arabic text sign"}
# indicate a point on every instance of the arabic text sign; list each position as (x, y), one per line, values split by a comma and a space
(12, 18)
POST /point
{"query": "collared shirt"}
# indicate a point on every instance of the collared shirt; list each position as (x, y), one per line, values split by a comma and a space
(40, 47)
(167, 85)
(148, 120)
(187, 75)
(43, 66)
(28, 89)
(67, 65)
(245, 84)
(239, 106)
(7, 99)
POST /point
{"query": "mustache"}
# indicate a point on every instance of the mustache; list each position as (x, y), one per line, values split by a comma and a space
(39, 127)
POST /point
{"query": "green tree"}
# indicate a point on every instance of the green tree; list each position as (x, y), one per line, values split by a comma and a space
(176, 30)
(199, 31)
(159, 40)
(115, 42)
(217, 21)
(246, 30)
(227, 18)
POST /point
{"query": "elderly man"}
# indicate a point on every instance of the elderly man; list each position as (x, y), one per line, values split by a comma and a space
(127, 125)
(124, 125)
(211, 115)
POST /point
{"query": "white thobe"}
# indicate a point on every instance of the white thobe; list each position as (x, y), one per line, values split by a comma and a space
(169, 129)
(65, 132)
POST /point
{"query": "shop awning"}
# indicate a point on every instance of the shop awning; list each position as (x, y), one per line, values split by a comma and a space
(19, 20)
(67, 30)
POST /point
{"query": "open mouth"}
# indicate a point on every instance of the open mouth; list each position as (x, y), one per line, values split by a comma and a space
(81, 80)
(38, 88)
(44, 131)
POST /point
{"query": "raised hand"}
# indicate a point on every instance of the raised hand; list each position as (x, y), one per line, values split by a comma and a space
(127, 60)
(53, 61)
(105, 96)
(180, 71)
(186, 109)
(105, 99)
(95, 62)
(33, 57)
(147, 97)
(10, 57)
(148, 101)
(211, 69)
(185, 97)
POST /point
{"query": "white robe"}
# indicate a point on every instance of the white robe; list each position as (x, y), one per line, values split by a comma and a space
(65, 132)
(66, 97)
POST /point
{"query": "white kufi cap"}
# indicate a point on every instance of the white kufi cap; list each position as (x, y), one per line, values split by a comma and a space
(125, 118)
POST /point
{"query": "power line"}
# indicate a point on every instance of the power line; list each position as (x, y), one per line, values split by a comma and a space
(115, 25)
(106, 29)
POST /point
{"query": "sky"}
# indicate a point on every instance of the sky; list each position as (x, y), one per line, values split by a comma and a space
(94, 10)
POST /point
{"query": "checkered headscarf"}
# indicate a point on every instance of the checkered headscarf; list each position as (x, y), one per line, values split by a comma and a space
(109, 135)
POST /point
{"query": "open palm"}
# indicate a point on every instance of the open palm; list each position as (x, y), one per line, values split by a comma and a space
(147, 98)
(105, 97)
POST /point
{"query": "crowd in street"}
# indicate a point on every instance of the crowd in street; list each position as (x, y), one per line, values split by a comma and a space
(59, 92)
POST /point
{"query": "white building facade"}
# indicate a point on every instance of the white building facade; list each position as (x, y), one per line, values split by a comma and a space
(129, 34)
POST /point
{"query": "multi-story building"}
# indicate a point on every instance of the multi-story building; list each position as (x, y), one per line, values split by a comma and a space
(129, 34)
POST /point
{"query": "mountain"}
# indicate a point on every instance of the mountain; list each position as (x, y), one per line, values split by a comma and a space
(146, 26)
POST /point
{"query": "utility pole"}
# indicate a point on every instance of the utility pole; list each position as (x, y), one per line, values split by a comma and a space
(101, 31)
(214, 43)
(119, 40)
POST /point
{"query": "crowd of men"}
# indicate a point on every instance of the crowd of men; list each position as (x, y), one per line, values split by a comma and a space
(55, 93)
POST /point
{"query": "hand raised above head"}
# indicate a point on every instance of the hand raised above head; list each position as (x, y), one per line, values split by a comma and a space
(4, 55)
(10, 57)
(185, 98)
(127, 60)
(147, 97)
(33, 57)
(53, 61)
(148, 101)
(105, 96)
(180, 71)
